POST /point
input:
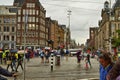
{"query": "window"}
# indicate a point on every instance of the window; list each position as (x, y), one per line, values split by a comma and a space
(23, 11)
(18, 40)
(36, 27)
(19, 12)
(6, 37)
(12, 38)
(33, 12)
(37, 12)
(33, 19)
(5, 29)
(30, 5)
(23, 19)
(13, 29)
(6, 20)
(119, 26)
(30, 11)
(8, 29)
(18, 26)
(0, 20)
(18, 19)
(36, 19)
(13, 20)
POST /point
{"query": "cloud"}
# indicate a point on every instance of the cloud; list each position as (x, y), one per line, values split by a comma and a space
(85, 14)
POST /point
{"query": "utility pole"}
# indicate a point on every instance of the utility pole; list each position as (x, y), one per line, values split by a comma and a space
(69, 14)
(110, 45)
(25, 31)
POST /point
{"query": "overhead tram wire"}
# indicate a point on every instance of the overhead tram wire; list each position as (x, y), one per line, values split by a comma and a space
(69, 6)
(80, 1)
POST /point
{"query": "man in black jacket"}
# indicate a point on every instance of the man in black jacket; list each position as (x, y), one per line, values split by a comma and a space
(5, 72)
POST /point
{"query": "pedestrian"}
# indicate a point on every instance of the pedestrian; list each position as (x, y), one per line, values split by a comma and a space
(78, 56)
(67, 54)
(9, 62)
(62, 53)
(1, 52)
(86, 63)
(105, 65)
(47, 56)
(14, 61)
(28, 55)
(88, 59)
(20, 60)
(42, 54)
(114, 73)
(6, 73)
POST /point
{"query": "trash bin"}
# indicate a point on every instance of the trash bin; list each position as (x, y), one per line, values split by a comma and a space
(57, 60)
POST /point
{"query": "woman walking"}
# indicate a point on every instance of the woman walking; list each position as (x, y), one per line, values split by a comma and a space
(20, 60)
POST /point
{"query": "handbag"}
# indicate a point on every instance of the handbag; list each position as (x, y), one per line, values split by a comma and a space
(9, 62)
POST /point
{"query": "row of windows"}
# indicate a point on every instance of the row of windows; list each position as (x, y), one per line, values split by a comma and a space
(28, 41)
(29, 12)
(7, 38)
(29, 27)
(30, 19)
(7, 20)
(30, 34)
(42, 35)
(42, 28)
(7, 29)
(42, 42)
(31, 5)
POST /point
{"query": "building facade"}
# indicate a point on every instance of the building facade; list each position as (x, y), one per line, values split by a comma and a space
(7, 27)
(31, 24)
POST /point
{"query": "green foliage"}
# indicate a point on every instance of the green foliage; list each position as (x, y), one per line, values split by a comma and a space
(115, 40)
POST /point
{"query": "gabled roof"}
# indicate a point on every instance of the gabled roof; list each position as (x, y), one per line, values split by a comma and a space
(19, 2)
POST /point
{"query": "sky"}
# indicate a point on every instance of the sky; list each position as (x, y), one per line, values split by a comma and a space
(84, 14)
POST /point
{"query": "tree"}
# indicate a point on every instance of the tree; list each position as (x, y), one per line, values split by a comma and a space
(115, 40)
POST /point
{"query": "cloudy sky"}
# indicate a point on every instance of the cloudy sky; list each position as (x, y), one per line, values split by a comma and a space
(85, 14)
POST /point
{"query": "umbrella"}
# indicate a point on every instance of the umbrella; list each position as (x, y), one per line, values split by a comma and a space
(13, 51)
(21, 52)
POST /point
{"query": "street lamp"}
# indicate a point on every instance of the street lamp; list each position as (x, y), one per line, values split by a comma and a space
(69, 13)
(25, 31)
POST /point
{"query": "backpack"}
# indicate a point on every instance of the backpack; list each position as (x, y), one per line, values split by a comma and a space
(41, 54)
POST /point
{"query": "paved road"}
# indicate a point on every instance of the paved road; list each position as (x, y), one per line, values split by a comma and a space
(68, 70)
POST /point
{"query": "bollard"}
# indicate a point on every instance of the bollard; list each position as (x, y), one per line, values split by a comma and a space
(51, 61)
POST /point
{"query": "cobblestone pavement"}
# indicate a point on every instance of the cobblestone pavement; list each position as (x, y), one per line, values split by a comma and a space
(68, 70)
